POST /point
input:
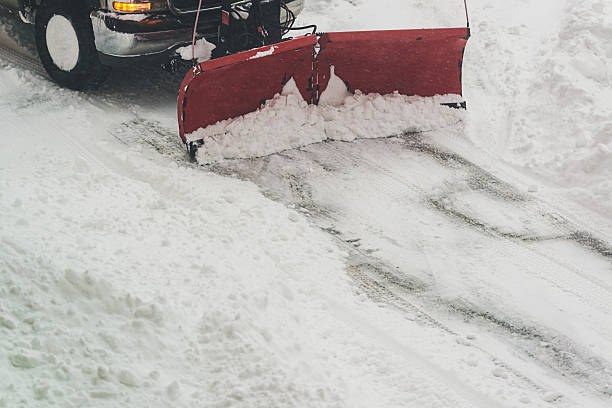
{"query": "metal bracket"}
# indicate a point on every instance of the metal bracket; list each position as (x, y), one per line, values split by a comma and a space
(26, 11)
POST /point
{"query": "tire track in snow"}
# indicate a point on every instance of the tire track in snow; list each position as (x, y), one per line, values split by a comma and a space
(373, 331)
(263, 171)
(599, 291)
(385, 290)
(560, 344)
(402, 303)
(586, 284)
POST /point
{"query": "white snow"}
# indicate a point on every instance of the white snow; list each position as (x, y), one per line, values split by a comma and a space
(128, 279)
(202, 51)
(549, 115)
(131, 277)
(116, 290)
(265, 53)
(536, 78)
(336, 93)
(292, 123)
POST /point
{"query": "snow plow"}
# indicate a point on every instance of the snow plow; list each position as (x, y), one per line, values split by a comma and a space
(254, 63)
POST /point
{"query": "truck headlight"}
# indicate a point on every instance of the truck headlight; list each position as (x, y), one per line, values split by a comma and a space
(124, 7)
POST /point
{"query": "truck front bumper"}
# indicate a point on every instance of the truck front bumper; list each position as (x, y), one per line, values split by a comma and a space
(132, 38)
(120, 35)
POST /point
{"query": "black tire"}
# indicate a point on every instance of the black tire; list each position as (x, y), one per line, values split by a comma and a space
(88, 73)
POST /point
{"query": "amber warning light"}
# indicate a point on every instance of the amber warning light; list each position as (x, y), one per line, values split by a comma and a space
(131, 7)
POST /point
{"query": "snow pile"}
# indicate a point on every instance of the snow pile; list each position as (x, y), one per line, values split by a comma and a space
(202, 51)
(539, 87)
(292, 123)
(336, 93)
(127, 279)
(566, 130)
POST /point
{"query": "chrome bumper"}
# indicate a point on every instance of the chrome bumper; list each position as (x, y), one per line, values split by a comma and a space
(119, 44)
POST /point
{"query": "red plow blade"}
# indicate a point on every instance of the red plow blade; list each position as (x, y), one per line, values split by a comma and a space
(238, 84)
(412, 62)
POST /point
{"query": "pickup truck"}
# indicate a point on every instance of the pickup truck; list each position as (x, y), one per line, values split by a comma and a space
(73, 35)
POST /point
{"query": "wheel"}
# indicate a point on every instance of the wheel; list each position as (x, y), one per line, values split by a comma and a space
(66, 44)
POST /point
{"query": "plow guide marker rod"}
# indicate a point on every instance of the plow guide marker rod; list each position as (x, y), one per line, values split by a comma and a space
(412, 62)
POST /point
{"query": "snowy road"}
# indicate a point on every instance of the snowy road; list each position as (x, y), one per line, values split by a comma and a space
(389, 272)
(456, 250)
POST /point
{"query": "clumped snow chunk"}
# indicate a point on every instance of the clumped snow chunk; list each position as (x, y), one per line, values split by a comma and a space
(202, 51)
(291, 122)
(336, 91)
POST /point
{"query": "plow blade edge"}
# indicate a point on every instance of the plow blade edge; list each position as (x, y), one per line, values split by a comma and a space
(238, 84)
(412, 62)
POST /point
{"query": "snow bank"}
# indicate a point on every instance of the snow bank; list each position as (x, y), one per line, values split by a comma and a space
(539, 86)
(124, 284)
(292, 123)
(569, 138)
